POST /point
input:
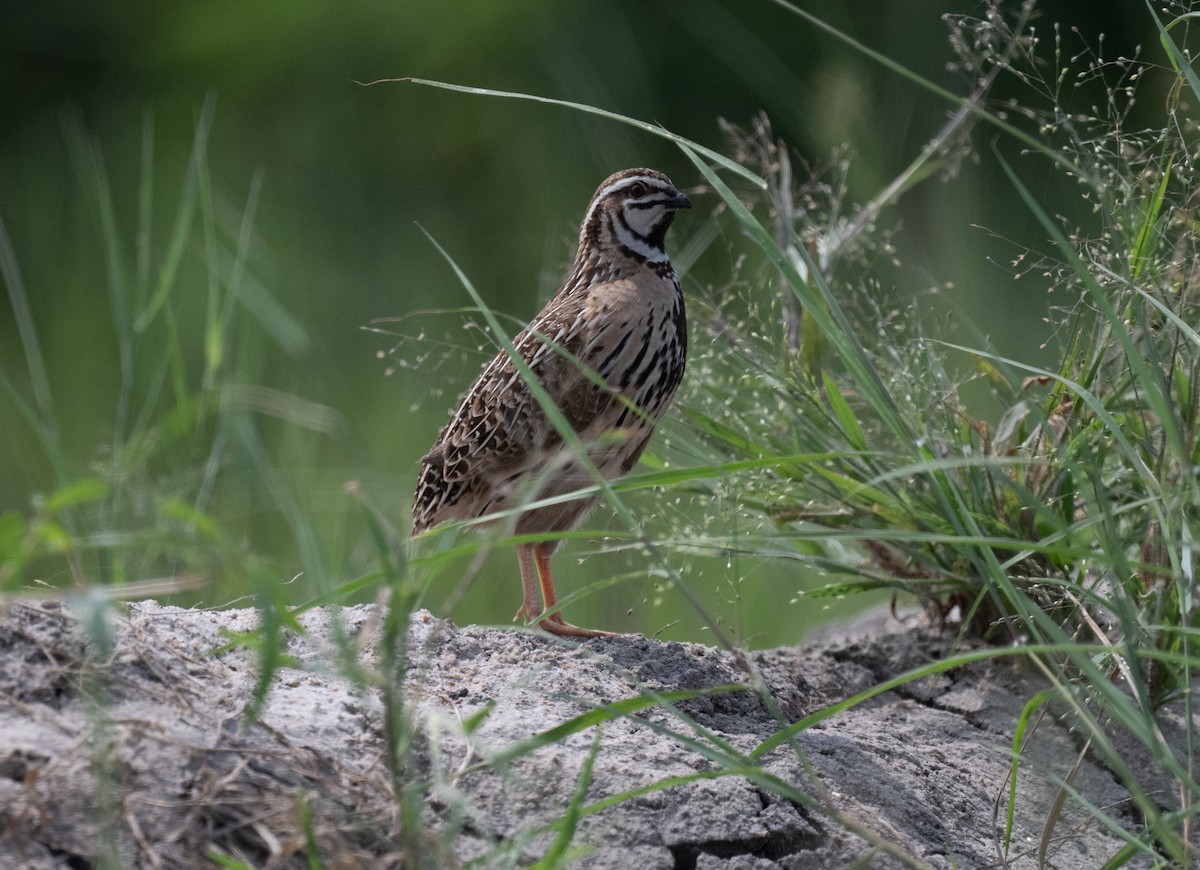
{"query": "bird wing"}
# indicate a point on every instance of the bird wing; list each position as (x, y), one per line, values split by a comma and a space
(499, 432)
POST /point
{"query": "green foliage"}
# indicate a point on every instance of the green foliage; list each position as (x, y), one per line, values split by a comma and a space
(828, 419)
(1034, 706)
(153, 498)
(1071, 515)
(1068, 516)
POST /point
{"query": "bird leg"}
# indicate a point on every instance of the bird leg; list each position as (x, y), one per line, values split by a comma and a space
(534, 560)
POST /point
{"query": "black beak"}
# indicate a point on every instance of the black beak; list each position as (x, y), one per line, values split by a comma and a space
(677, 200)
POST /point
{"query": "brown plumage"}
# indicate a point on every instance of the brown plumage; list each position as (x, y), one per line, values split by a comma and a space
(620, 314)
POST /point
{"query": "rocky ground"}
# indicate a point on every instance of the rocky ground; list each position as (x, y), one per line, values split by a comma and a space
(126, 739)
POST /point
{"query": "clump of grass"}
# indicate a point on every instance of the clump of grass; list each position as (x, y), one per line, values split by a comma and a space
(1069, 515)
(155, 505)
(1062, 522)
(181, 494)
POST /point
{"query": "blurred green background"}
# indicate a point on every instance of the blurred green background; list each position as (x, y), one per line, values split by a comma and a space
(343, 177)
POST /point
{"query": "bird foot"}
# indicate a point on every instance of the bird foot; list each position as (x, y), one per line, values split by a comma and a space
(555, 624)
(566, 629)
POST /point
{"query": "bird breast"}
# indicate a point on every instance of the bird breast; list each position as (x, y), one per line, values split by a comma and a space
(639, 342)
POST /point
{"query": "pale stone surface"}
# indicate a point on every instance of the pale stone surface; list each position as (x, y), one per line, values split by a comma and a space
(137, 744)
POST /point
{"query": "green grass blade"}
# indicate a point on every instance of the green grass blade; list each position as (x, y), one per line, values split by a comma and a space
(42, 428)
(35, 361)
(899, 69)
(654, 129)
(182, 227)
(1180, 59)
(1147, 230)
(1151, 385)
(599, 715)
(145, 219)
(845, 416)
(311, 847)
(819, 304)
(1031, 706)
(224, 311)
(556, 855)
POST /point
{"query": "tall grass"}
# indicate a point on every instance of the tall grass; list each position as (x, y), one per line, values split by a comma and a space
(825, 417)
(1062, 524)
(173, 498)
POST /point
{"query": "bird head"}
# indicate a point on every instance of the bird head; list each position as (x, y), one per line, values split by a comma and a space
(634, 208)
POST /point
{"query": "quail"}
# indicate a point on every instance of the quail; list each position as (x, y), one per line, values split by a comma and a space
(609, 348)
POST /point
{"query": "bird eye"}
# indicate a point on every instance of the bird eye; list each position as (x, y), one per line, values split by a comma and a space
(637, 189)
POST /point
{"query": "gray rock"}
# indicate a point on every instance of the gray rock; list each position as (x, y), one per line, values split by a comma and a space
(136, 748)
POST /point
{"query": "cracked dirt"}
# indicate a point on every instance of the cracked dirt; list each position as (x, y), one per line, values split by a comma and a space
(136, 748)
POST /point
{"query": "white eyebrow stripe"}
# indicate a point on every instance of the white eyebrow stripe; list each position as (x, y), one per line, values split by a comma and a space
(606, 191)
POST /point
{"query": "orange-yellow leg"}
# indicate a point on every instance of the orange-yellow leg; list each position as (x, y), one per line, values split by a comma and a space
(538, 594)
